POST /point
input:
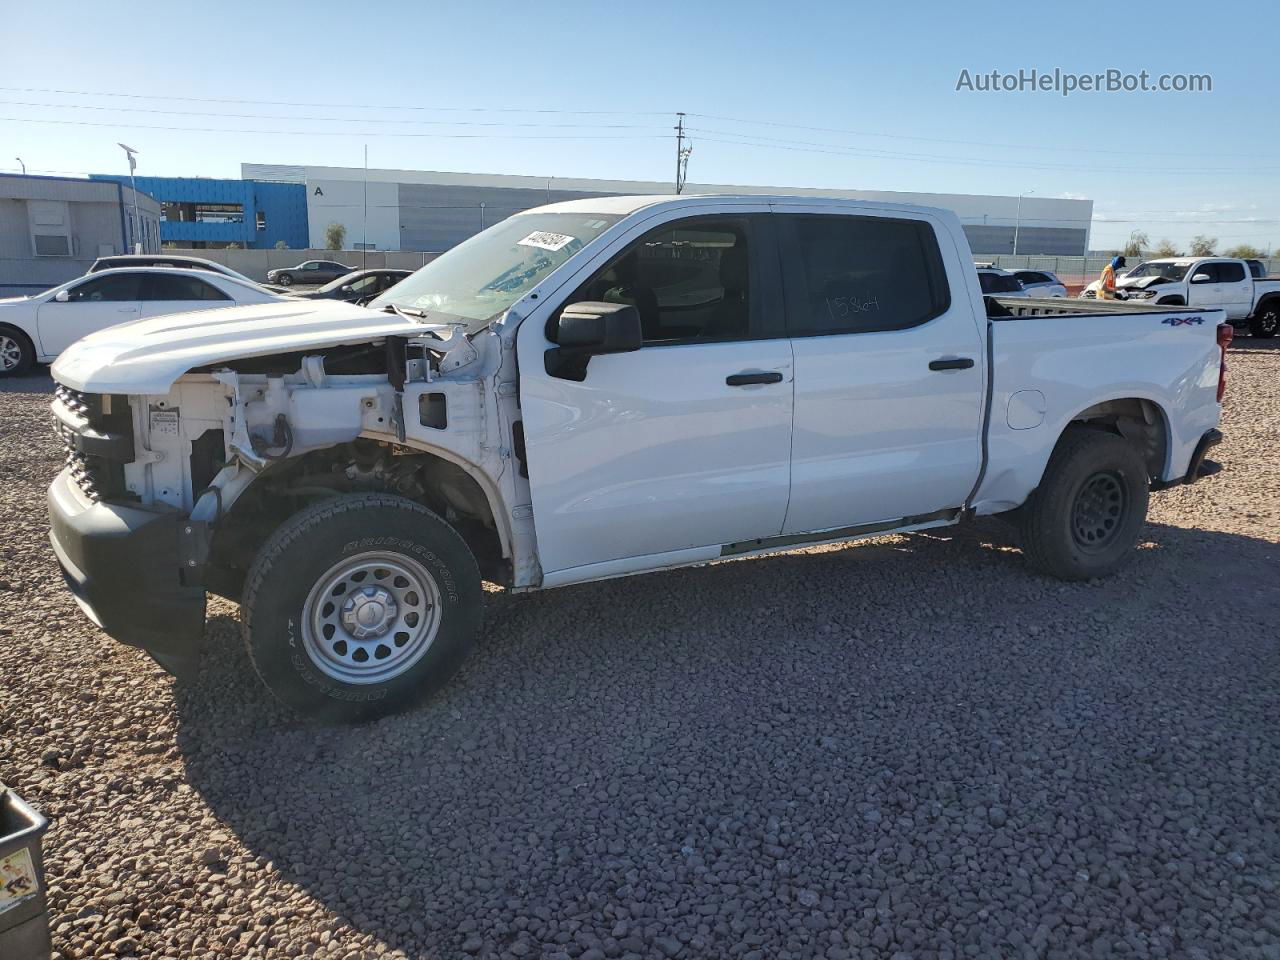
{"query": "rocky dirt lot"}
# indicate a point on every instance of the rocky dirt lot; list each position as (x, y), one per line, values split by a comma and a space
(907, 748)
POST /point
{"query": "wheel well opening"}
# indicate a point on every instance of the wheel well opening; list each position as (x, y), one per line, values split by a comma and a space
(361, 466)
(1139, 421)
(10, 328)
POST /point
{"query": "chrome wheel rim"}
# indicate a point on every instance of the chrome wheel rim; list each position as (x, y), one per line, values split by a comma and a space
(370, 617)
(10, 353)
(1269, 321)
(1098, 512)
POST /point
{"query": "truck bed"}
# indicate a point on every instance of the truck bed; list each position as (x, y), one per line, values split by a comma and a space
(1046, 372)
(1015, 307)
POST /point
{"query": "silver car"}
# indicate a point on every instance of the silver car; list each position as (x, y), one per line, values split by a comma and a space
(1041, 283)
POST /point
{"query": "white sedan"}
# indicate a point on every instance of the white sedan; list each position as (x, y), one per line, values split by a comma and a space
(37, 329)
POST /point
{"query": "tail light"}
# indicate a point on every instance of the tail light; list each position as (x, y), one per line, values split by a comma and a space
(1225, 334)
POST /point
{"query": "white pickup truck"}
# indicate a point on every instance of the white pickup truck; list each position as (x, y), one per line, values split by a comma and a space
(1240, 288)
(589, 390)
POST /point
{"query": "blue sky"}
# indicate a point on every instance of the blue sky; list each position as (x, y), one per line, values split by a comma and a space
(879, 80)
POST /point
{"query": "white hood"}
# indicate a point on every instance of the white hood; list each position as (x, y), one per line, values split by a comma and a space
(147, 356)
(1140, 282)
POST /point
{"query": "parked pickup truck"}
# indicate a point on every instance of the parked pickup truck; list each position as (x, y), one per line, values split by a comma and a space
(594, 389)
(1218, 283)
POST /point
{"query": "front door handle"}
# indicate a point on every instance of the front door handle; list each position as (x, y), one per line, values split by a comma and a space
(951, 363)
(743, 379)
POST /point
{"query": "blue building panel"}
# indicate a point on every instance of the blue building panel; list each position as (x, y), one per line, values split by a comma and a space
(260, 214)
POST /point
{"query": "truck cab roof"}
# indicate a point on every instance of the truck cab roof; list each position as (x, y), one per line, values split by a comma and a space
(626, 205)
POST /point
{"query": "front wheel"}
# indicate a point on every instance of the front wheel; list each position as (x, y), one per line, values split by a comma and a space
(17, 355)
(1084, 519)
(359, 606)
(283, 279)
(1266, 321)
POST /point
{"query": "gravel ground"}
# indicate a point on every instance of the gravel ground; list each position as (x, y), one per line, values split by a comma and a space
(907, 748)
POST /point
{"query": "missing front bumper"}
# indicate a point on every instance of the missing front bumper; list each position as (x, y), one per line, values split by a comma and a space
(124, 566)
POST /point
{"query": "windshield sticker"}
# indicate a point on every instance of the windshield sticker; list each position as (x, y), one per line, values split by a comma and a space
(546, 240)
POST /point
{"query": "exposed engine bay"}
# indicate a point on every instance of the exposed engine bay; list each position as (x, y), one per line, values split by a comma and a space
(240, 446)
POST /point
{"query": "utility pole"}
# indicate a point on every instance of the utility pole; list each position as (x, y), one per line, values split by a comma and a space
(365, 244)
(133, 185)
(682, 153)
(1017, 223)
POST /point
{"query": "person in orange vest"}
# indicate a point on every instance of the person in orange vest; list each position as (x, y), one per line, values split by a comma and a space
(1107, 282)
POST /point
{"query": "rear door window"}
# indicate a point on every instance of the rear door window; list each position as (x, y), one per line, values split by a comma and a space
(1230, 272)
(179, 285)
(858, 274)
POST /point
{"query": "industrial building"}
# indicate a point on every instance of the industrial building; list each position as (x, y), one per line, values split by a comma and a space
(53, 228)
(204, 213)
(422, 210)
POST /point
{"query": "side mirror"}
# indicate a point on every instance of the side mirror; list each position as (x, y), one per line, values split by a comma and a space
(62, 296)
(587, 329)
(345, 288)
(1201, 278)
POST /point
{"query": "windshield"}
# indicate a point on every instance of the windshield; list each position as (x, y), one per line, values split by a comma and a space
(1170, 271)
(481, 277)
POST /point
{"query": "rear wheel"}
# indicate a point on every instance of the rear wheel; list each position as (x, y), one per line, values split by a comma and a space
(17, 355)
(1084, 519)
(360, 606)
(1266, 322)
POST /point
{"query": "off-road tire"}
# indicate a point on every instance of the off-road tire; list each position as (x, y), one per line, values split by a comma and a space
(1089, 468)
(1266, 322)
(26, 352)
(304, 551)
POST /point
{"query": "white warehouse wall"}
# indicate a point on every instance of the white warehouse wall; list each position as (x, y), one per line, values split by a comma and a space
(343, 201)
(342, 192)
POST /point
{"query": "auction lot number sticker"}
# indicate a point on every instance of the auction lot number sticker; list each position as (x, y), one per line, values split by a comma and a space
(546, 240)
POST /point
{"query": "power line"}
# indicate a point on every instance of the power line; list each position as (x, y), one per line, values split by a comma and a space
(340, 133)
(972, 143)
(803, 146)
(1056, 148)
(277, 116)
(343, 106)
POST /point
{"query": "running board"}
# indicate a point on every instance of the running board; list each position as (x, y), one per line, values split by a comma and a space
(841, 533)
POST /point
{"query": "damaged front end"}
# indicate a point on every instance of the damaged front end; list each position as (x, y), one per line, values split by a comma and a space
(169, 495)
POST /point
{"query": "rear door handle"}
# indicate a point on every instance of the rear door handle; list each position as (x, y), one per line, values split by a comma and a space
(743, 379)
(951, 363)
